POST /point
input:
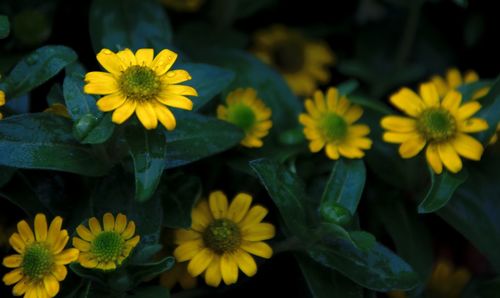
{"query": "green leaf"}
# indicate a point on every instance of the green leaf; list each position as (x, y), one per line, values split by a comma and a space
(347, 87)
(286, 191)
(37, 68)
(144, 272)
(135, 24)
(468, 90)
(344, 187)
(270, 86)
(4, 26)
(197, 137)
(443, 186)
(151, 292)
(363, 240)
(179, 197)
(77, 102)
(326, 283)
(52, 147)
(90, 129)
(208, 80)
(148, 150)
(5, 174)
(55, 95)
(370, 103)
(490, 112)
(377, 268)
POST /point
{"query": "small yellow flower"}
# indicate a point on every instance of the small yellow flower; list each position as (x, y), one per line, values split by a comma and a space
(442, 124)
(39, 264)
(58, 109)
(178, 274)
(140, 83)
(248, 112)
(222, 238)
(108, 246)
(330, 124)
(303, 63)
(454, 79)
(2, 101)
(184, 5)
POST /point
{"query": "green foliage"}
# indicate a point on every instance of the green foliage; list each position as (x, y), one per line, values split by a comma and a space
(442, 188)
(4, 26)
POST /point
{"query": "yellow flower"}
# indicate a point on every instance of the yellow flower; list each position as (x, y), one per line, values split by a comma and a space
(108, 246)
(454, 79)
(249, 113)
(330, 124)
(178, 274)
(39, 264)
(303, 63)
(441, 123)
(222, 238)
(58, 109)
(2, 101)
(138, 83)
(184, 5)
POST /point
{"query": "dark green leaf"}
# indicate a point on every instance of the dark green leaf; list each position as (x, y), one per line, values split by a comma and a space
(326, 283)
(197, 137)
(144, 272)
(148, 151)
(90, 129)
(208, 80)
(37, 68)
(363, 240)
(135, 24)
(151, 292)
(178, 198)
(369, 103)
(443, 186)
(4, 26)
(347, 87)
(52, 147)
(5, 174)
(286, 191)
(490, 111)
(344, 187)
(77, 102)
(90, 274)
(468, 90)
(55, 95)
(19, 192)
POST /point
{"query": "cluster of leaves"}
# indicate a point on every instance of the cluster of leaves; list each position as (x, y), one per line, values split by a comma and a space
(155, 177)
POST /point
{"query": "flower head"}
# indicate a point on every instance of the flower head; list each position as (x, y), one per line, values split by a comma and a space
(105, 247)
(248, 112)
(442, 124)
(140, 83)
(222, 237)
(2, 101)
(39, 264)
(330, 124)
(454, 79)
(303, 63)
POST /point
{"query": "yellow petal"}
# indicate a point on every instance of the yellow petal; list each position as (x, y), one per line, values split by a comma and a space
(61, 242)
(133, 242)
(120, 223)
(187, 250)
(108, 266)
(407, 101)
(81, 244)
(332, 151)
(87, 260)
(239, 207)
(67, 256)
(17, 243)
(180, 90)
(397, 137)
(127, 57)
(13, 261)
(311, 108)
(51, 285)
(200, 262)
(108, 222)
(362, 143)
(40, 227)
(411, 147)
(110, 102)
(175, 101)
(25, 232)
(433, 158)
(13, 276)
(246, 263)
(144, 57)
(473, 125)
(429, 94)
(176, 76)
(258, 232)
(451, 101)
(54, 229)
(21, 287)
(84, 233)
(213, 276)
(467, 146)
(306, 120)
(229, 269)
(259, 249)
(319, 100)
(342, 105)
(331, 98)
(468, 109)
(165, 116)
(254, 216)
(441, 85)
(184, 235)
(95, 226)
(201, 216)
(147, 115)
(110, 61)
(218, 204)
(449, 157)
(59, 272)
(454, 78)
(398, 124)
(129, 230)
(316, 145)
(353, 114)
(350, 151)
(122, 113)
(358, 130)
(98, 82)
(471, 76)
(163, 61)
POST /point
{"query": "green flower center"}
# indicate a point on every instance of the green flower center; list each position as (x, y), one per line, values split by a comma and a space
(139, 83)
(436, 124)
(222, 236)
(334, 127)
(107, 246)
(289, 56)
(37, 261)
(241, 116)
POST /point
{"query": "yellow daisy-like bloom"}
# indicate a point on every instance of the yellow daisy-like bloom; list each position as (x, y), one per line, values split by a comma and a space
(454, 79)
(248, 112)
(140, 83)
(39, 264)
(441, 123)
(222, 238)
(330, 124)
(2, 101)
(178, 274)
(108, 246)
(303, 63)
(184, 5)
